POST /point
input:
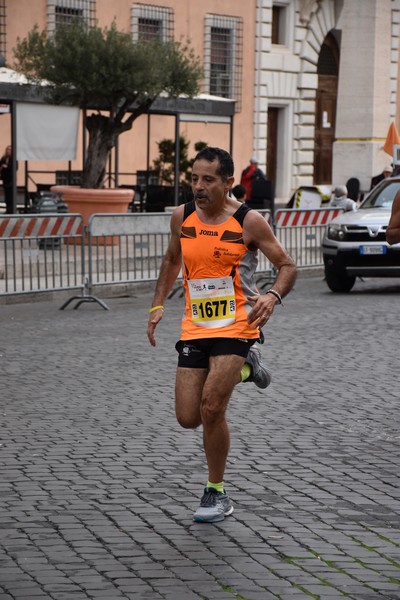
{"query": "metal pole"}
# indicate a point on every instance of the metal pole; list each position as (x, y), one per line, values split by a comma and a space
(148, 154)
(83, 138)
(14, 155)
(177, 155)
(116, 163)
(109, 169)
(231, 136)
(148, 142)
(27, 199)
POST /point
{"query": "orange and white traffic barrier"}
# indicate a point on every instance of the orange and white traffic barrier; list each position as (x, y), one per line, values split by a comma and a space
(41, 226)
(303, 217)
(41, 253)
(301, 230)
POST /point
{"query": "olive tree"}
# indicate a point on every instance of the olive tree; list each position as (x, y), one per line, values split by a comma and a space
(103, 70)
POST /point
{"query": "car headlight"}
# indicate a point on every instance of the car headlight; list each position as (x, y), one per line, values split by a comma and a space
(336, 231)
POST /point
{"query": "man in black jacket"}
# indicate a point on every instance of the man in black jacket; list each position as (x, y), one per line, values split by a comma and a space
(6, 174)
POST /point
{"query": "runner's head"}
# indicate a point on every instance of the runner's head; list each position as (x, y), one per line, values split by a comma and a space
(210, 154)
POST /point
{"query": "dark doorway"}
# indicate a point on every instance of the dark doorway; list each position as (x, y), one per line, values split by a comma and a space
(272, 143)
(325, 110)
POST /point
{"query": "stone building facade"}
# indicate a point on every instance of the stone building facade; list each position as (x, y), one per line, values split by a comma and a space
(319, 134)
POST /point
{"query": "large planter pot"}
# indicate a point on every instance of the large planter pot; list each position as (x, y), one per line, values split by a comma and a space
(86, 202)
(89, 201)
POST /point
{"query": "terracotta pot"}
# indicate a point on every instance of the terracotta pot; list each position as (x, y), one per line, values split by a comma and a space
(86, 202)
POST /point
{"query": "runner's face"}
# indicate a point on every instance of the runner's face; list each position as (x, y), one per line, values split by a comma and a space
(208, 187)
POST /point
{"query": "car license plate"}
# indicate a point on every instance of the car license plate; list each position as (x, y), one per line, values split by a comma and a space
(373, 249)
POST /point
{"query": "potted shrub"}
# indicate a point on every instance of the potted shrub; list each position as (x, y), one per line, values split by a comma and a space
(163, 166)
(104, 71)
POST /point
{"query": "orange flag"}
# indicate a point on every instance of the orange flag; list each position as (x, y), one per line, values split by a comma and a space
(392, 138)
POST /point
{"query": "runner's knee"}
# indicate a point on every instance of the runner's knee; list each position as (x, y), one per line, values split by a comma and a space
(212, 412)
(188, 421)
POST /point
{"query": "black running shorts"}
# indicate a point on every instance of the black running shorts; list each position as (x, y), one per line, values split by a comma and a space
(195, 354)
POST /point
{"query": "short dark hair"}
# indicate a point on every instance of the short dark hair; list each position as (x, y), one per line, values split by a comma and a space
(226, 166)
(239, 191)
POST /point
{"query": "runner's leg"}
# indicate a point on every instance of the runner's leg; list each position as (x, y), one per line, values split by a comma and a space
(223, 375)
(201, 397)
(188, 393)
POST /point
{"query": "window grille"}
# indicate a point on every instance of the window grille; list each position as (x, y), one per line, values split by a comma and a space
(149, 22)
(223, 57)
(66, 12)
(3, 29)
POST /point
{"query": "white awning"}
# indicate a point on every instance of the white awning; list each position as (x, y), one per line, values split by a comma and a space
(46, 132)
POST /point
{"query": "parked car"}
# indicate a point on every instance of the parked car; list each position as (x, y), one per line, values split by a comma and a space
(354, 243)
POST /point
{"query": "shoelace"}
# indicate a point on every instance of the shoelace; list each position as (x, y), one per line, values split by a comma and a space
(208, 498)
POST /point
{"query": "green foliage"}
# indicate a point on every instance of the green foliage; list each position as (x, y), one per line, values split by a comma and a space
(93, 67)
(165, 163)
(103, 69)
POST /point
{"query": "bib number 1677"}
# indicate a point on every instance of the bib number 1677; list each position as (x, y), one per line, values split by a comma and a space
(213, 309)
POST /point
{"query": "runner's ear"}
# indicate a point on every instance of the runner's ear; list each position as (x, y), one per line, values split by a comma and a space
(229, 183)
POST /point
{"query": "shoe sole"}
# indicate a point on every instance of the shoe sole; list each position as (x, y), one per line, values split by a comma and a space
(216, 519)
(260, 384)
(263, 385)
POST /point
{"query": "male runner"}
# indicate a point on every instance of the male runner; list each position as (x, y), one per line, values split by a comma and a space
(215, 239)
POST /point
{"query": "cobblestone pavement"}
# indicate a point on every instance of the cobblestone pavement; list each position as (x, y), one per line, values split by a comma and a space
(98, 483)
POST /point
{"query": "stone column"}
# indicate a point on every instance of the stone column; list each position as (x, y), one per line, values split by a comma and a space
(363, 107)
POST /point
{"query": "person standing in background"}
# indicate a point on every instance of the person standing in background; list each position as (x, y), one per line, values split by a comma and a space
(340, 199)
(387, 172)
(249, 175)
(6, 175)
(239, 191)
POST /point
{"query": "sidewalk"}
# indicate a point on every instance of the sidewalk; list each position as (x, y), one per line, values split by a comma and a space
(98, 483)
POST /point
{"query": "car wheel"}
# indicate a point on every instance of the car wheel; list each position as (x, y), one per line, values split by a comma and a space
(339, 281)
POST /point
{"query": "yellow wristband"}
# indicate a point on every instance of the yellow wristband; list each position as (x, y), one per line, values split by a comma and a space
(156, 308)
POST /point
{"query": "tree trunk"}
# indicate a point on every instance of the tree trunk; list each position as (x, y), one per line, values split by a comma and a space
(102, 137)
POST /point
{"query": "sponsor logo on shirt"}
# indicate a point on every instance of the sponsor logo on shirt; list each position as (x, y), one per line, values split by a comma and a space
(206, 232)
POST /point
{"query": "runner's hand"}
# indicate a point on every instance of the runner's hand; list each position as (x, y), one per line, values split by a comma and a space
(154, 318)
(263, 307)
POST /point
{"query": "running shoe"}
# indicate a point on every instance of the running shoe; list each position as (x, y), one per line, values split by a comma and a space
(259, 372)
(214, 507)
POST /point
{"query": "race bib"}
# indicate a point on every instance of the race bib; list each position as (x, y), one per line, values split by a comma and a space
(212, 301)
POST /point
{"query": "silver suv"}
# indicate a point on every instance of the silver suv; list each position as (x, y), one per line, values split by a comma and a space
(354, 243)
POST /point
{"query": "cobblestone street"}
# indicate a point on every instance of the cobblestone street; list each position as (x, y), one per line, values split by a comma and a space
(98, 483)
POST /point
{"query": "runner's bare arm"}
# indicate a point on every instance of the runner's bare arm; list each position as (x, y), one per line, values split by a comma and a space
(169, 271)
(393, 230)
(257, 232)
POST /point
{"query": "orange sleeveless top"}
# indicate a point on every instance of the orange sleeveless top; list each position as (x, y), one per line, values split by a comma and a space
(218, 275)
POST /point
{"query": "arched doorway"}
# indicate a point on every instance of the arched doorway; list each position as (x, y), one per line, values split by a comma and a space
(325, 109)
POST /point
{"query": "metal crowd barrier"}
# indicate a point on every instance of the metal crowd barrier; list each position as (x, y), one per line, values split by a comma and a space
(300, 231)
(56, 252)
(266, 271)
(128, 248)
(123, 248)
(41, 253)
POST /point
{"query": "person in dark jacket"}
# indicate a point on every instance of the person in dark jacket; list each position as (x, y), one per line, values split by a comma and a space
(239, 191)
(387, 172)
(6, 175)
(249, 175)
